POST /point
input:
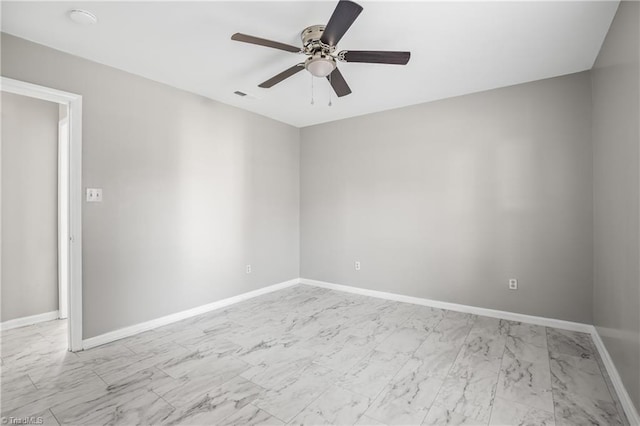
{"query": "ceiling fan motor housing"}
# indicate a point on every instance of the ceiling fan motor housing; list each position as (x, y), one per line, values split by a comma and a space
(320, 62)
(311, 43)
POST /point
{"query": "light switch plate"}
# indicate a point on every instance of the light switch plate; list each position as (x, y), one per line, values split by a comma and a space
(94, 195)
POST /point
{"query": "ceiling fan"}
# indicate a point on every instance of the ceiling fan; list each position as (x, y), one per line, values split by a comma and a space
(319, 44)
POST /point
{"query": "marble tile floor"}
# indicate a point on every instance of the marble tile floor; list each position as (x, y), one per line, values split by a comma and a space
(306, 355)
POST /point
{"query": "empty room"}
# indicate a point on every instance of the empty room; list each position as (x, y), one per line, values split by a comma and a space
(215, 213)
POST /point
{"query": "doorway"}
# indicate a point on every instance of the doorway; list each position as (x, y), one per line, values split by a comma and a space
(69, 259)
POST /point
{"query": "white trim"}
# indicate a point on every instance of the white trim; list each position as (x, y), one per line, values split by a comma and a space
(74, 103)
(31, 90)
(626, 401)
(623, 395)
(178, 316)
(75, 224)
(30, 320)
(627, 404)
(63, 212)
(531, 319)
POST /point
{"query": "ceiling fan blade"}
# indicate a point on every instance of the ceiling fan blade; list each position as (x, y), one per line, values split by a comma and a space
(343, 16)
(283, 75)
(264, 42)
(338, 83)
(375, 56)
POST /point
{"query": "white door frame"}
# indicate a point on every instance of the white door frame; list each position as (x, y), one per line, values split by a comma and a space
(63, 212)
(74, 104)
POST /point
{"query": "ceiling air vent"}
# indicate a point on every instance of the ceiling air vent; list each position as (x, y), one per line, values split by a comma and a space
(239, 93)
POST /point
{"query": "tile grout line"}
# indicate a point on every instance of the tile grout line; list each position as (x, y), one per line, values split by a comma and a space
(383, 389)
(553, 396)
(607, 380)
(387, 338)
(371, 351)
(346, 373)
(435, 398)
(101, 378)
(162, 398)
(259, 408)
(309, 404)
(411, 356)
(604, 374)
(594, 356)
(262, 409)
(200, 395)
(495, 392)
(54, 416)
(32, 382)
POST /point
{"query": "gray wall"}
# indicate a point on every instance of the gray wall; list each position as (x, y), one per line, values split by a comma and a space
(29, 206)
(193, 190)
(616, 151)
(448, 200)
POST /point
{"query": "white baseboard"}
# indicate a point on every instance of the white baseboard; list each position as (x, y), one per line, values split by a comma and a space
(30, 320)
(178, 316)
(531, 319)
(626, 401)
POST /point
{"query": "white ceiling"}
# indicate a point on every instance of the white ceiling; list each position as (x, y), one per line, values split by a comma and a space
(456, 47)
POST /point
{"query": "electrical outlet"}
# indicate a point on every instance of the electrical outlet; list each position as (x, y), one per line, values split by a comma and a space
(357, 265)
(248, 268)
(513, 284)
(94, 195)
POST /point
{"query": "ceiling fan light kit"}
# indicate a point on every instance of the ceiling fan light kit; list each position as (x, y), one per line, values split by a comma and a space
(320, 65)
(319, 45)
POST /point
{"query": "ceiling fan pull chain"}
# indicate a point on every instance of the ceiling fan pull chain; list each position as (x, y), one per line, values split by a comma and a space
(312, 90)
(330, 104)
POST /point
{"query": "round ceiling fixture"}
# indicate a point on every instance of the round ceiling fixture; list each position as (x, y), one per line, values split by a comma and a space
(83, 17)
(320, 65)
